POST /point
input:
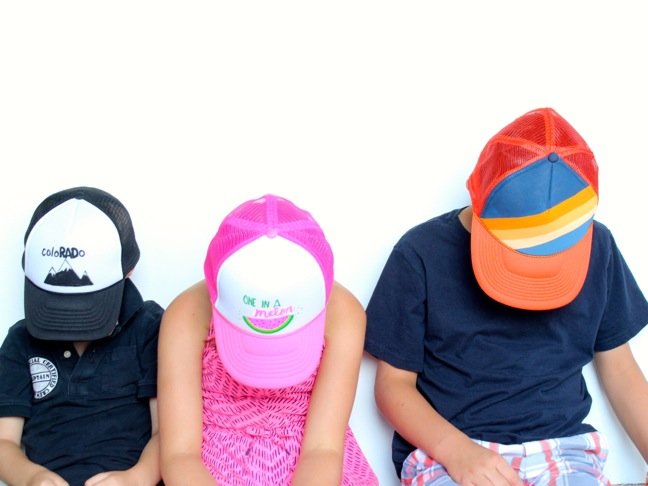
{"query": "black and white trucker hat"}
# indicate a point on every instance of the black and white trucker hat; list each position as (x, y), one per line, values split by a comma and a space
(79, 247)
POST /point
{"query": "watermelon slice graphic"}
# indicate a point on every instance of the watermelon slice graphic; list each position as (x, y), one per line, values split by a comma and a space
(268, 326)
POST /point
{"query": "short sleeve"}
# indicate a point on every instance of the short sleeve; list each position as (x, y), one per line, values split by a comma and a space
(626, 310)
(396, 312)
(150, 316)
(15, 378)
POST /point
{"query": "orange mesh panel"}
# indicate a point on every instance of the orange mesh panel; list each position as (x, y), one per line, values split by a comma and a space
(525, 140)
(497, 160)
(530, 127)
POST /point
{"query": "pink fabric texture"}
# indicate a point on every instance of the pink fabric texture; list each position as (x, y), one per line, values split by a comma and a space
(252, 436)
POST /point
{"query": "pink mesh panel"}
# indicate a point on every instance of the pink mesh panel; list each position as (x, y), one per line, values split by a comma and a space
(272, 216)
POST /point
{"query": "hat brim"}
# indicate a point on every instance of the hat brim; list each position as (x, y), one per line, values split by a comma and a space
(270, 361)
(72, 317)
(527, 281)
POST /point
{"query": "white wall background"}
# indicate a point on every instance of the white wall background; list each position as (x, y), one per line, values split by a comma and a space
(369, 114)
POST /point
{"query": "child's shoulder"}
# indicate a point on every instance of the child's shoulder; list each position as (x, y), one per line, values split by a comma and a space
(192, 303)
(428, 232)
(152, 308)
(134, 307)
(343, 300)
(344, 312)
(602, 238)
(602, 229)
(194, 296)
(18, 333)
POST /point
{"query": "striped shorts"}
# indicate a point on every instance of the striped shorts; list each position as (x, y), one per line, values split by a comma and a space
(568, 461)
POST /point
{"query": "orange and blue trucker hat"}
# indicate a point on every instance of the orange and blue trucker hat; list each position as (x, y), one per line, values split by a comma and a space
(534, 192)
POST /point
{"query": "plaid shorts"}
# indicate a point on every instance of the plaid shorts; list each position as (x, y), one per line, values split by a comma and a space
(568, 461)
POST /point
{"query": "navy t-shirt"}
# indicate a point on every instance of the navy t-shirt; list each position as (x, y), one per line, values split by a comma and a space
(87, 414)
(497, 373)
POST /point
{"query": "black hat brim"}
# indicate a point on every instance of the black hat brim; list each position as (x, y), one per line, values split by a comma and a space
(72, 317)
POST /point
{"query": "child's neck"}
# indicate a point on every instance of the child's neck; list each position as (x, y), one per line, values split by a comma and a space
(465, 216)
(81, 346)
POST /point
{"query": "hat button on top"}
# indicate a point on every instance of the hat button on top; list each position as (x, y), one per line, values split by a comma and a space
(67, 353)
(272, 232)
(553, 157)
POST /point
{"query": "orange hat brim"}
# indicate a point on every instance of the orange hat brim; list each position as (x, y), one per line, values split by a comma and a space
(528, 281)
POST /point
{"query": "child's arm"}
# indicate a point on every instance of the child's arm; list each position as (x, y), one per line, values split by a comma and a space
(417, 421)
(147, 469)
(184, 328)
(627, 390)
(322, 452)
(15, 467)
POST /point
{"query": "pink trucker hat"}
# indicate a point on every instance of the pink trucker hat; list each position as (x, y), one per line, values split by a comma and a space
(269, 271)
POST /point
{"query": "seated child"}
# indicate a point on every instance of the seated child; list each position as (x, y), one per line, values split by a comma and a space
(258, 366)
(78, 373)
(484, 317)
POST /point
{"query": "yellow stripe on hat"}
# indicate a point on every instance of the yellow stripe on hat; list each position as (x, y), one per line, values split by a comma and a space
(528, 231)
(518, 243)
(582, 197)
(546, 224)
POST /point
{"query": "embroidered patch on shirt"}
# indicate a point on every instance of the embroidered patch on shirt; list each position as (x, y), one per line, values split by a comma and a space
(44, 376)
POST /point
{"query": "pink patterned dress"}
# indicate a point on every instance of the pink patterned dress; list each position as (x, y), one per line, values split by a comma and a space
(252, 436)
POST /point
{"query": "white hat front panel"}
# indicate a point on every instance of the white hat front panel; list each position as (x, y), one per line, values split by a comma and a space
(270, 286)
(73, 249)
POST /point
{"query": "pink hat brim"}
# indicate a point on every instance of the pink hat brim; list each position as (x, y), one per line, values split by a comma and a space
(270, 361)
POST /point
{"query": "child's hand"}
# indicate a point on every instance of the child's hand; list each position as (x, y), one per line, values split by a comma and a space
(475, 465)
(47, 478)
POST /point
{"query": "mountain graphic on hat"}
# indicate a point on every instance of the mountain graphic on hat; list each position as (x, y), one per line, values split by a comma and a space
(66, 276)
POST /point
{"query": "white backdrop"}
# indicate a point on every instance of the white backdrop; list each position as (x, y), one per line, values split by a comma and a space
(369, 114)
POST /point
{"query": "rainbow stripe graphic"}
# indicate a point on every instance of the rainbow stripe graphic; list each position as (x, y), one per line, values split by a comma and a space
(540, 210)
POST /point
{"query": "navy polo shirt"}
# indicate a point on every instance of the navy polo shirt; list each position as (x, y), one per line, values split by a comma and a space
(495, 372)
(84, 414)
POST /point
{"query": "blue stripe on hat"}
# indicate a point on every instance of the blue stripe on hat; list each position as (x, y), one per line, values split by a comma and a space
(533, 189)
(559, 244)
